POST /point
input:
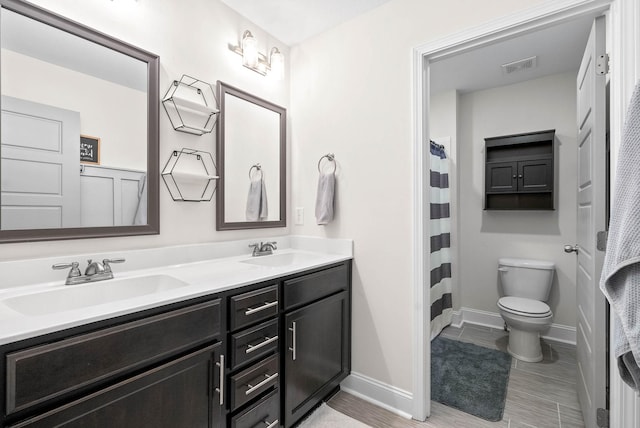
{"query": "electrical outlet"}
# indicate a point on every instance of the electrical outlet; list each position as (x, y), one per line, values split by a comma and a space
(299, 216)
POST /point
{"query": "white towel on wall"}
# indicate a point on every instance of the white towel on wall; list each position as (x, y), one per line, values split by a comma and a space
(140, 217)
(620, 280)
(257, 208)
(325, 198)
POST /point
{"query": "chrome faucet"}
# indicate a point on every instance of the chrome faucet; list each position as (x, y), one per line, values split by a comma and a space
(263, 248)
(95, 271)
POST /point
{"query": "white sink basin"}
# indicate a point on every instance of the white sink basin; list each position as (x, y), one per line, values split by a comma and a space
(281, 260)
(90, 294)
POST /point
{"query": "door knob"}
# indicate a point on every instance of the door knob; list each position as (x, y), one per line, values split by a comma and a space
(571, 248)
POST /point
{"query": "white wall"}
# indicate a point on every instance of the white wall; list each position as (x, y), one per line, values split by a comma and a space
(190, 40)
(351, 95)
(485, 236)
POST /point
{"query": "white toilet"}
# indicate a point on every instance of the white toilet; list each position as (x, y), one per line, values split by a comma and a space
(526, 285)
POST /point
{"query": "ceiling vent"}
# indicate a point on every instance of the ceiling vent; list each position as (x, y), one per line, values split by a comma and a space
(520, 65)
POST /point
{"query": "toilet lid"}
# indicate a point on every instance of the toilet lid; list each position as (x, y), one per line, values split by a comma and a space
(522, 306)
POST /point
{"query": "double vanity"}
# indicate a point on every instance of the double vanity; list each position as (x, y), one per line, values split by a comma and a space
(234, 340)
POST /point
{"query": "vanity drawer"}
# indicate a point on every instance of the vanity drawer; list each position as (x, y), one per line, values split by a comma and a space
(254, 306)
(308, 288)
(48, 371)
(249, 383)
(251, 344)
(265, 414)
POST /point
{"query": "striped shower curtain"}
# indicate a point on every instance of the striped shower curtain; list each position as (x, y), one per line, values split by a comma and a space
(440, 237)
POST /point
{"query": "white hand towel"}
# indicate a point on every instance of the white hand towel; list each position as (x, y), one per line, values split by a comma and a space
(620, 280)
(325, 198)
(257, 208)
(141, 212)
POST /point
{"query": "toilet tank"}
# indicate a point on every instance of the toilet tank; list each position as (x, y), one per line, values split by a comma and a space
(526, 278)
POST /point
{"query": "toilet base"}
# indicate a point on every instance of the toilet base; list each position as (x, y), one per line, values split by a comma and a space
(525, 345)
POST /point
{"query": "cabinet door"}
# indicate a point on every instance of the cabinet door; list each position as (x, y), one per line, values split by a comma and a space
(178, 394)
(501, 177)
(535, 175)
(317, 357)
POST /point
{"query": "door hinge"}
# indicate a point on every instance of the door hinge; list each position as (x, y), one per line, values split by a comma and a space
(602, 418)
(602, 64)
(601, 240)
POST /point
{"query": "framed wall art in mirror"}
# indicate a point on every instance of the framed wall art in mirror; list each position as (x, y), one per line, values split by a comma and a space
(251, 161)
(61, 81)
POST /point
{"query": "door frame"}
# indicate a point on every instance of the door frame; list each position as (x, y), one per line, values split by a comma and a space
(624, 17)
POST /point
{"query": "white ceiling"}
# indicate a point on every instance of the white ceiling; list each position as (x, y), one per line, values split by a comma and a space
(293, 21)
(46, 43)
(558, 48)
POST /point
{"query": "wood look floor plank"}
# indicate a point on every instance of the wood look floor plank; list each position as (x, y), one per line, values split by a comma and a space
(539, 395)
(557, 370)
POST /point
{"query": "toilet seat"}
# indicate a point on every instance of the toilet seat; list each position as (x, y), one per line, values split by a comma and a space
(525, 307)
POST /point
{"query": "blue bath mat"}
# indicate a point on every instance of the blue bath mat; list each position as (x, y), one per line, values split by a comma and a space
(469, 377)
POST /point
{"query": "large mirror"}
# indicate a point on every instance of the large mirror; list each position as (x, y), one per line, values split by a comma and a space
(252, 161)
(79, 130)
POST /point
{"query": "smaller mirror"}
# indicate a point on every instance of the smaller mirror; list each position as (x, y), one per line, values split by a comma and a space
(252, 162)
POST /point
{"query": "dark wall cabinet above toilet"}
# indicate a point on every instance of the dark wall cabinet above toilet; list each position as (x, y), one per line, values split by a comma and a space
(519, 171)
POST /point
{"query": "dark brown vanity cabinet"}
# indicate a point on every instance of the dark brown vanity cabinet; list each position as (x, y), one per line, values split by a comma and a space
(519, 171)
(254, 357)
(261, 355)
(163, 370)
(176, 394)
(317, 328)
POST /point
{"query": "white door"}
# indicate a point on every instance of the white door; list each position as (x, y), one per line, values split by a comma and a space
(591, 322)
(40, 166)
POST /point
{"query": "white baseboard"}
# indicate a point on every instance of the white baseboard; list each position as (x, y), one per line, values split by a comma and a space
(556, 333)
(382, 395)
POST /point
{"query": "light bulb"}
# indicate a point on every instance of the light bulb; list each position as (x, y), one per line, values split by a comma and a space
(276, 62)
(249, 50)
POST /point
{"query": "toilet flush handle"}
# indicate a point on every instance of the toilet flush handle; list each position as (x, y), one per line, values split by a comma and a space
(503, 269)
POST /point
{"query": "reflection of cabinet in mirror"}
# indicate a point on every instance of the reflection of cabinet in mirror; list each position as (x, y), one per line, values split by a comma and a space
(112, 197)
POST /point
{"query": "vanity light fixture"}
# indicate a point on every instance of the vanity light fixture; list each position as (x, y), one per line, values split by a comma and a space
(257, 61)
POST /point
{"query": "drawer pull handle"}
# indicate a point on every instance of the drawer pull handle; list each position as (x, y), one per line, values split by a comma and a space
(267, 340)
(220, 390)
(270, 424)
(266, 305)
(261, 384)
(293, 340)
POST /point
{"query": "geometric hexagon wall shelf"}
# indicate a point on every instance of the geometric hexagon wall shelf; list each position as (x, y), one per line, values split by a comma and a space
(190, 175)
(191, 105)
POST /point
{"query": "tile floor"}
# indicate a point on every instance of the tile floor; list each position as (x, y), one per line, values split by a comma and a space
(541, 395)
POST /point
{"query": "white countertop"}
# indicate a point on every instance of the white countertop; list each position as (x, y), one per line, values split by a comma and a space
(202, 277)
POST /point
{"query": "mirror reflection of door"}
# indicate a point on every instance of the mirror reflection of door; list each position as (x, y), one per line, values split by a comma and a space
(107, 93)
(39, 166)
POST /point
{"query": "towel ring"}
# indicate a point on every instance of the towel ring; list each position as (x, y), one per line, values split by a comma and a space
(258, 168)
(331, 158)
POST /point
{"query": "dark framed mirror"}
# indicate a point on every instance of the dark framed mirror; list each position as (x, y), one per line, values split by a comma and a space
(79, 152)
(251, 156)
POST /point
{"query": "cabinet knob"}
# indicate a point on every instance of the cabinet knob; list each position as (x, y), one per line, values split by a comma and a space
(514, 176)
(520, 176)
